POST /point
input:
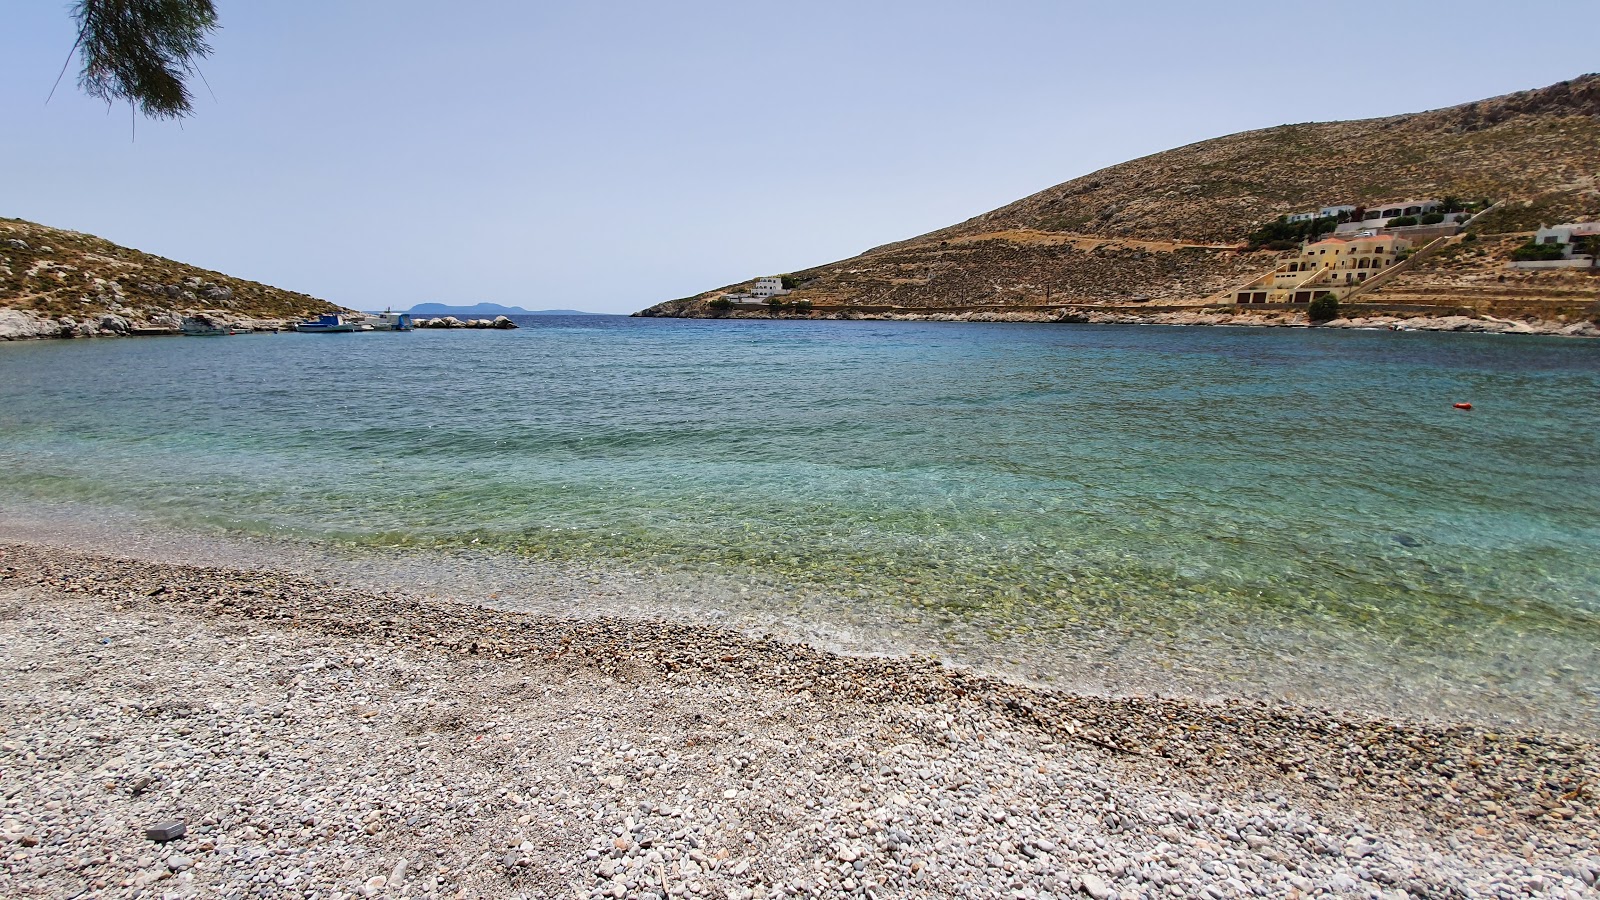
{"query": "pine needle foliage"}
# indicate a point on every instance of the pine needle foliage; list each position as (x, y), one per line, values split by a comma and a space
(142, 51)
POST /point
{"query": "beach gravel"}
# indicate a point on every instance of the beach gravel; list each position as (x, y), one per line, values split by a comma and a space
(314, 739)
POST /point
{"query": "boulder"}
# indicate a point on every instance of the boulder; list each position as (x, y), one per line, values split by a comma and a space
(502, 322)
(113, 324)
(16, 325)
(14, 244)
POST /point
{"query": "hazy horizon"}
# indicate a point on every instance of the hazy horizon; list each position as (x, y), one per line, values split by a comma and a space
(608, 158)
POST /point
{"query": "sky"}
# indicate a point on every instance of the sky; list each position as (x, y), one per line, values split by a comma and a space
(609, 155)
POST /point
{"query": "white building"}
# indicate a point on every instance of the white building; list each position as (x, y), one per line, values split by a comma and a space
(1301, 217)
(1567, 234)
(1332, 212)
(770, 286)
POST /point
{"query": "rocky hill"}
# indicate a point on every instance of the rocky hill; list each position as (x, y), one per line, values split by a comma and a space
(56, 283)
(1168, 230)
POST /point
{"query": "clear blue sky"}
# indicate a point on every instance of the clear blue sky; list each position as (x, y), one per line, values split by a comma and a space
(606, 156)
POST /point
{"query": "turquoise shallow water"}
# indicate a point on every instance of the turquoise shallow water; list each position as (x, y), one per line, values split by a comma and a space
(1284, 488)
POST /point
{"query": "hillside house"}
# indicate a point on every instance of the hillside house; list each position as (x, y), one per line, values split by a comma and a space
(771, 286)
(1332, 265)
(1567, 234)
(1326, 212)
(764, 289)
(1378, 215)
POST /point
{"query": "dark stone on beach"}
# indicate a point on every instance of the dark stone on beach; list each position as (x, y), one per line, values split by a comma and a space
(162, 832)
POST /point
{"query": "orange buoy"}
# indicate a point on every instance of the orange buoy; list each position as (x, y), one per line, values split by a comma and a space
(1463, 406)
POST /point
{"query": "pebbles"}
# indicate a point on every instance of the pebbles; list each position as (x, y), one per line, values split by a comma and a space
(319, 739)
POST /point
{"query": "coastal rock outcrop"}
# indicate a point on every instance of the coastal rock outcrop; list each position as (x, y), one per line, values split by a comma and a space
(18, 325)
(501, 323)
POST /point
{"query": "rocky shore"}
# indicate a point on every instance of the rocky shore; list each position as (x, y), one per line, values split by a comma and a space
(1207, 316)
(319, 740)
(502, 323)
(21, 325)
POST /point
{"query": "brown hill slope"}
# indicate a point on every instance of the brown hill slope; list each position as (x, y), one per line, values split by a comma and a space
(1165, 228)
(66, 282)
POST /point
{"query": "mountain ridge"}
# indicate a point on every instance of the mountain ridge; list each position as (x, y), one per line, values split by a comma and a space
(1171, 227)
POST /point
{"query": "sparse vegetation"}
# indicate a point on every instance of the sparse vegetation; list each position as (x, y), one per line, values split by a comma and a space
(1282, 234)
(1531, 252)
(1432, 218)
(1589, 245)
(66, 273)
(1403, 221)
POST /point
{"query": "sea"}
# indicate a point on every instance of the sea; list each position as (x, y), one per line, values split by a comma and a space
(1265, 514)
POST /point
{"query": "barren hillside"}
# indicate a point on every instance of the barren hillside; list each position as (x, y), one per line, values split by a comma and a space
(65, 282)
(1166, 229)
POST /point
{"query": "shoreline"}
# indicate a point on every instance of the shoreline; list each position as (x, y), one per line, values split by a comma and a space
(1289, 798)
(1351, 672)
(22, 325)
(1201, 316)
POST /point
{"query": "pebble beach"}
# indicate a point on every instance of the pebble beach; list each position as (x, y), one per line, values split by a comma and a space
(318, 739)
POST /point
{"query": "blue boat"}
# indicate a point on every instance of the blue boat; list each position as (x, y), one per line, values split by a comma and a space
(327, 323)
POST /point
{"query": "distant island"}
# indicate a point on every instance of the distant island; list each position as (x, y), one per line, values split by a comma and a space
(490, 309)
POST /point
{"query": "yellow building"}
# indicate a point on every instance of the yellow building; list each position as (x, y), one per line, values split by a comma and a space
(1331, 265)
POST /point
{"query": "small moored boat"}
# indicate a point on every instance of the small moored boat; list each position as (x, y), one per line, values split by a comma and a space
(327, 323)
(388, 320)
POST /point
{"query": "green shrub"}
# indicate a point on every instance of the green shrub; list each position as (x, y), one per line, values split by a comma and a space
(1432, 219)
(1531, 252)
(1401, 221)
(1323, 309)
(775, 302)
(789, 282)
(720, 304)
(1471, 236)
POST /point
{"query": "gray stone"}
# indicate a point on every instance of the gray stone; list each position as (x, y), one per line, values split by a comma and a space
(161, 832)
(1094, 886)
